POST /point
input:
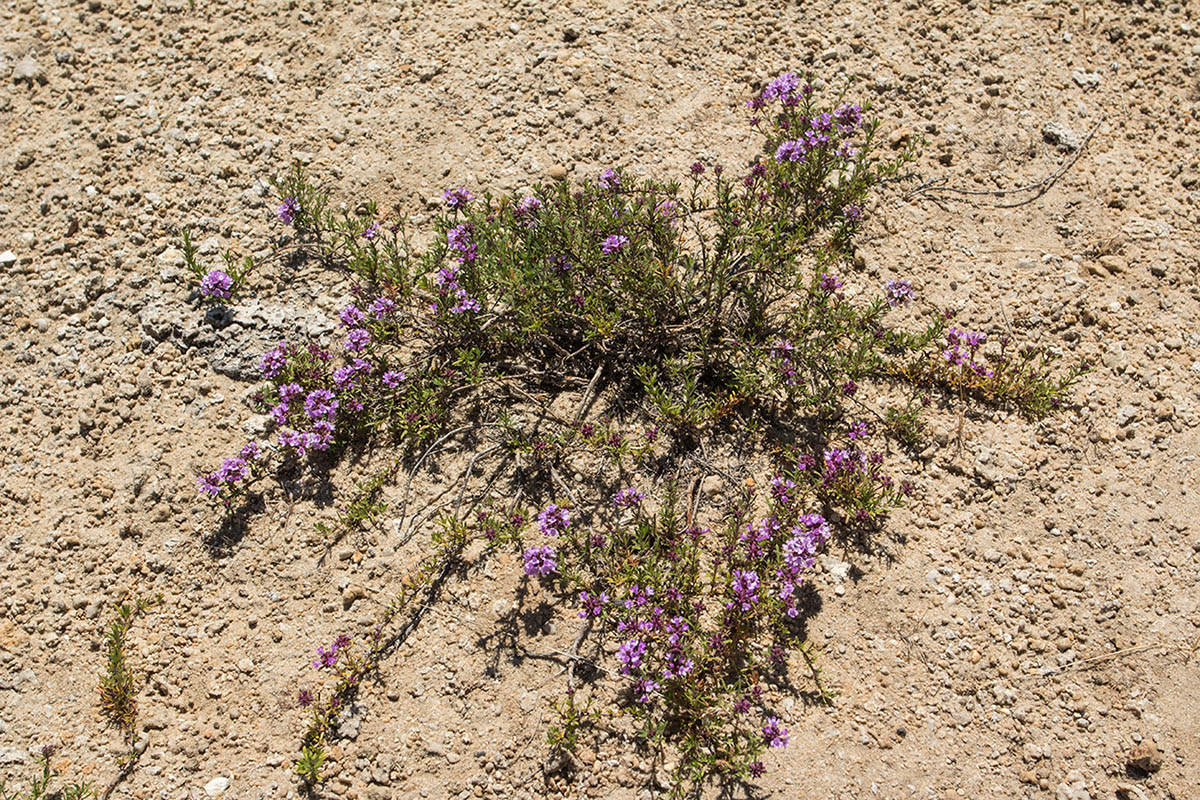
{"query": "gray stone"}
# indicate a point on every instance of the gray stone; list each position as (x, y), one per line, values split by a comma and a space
(217, 786)
(1086, 80)
(29, 71)
(1060, 135)
(13, 755)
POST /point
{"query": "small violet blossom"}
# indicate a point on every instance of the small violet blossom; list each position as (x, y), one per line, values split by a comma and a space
(773, 734)
(216, 284)
(457, 198)
(898, 292)
(540, 561)
(287, 210)
(553, 520)
(627, 498)
(614, 244)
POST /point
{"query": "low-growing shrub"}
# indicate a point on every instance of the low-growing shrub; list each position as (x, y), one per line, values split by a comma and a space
(719, 311)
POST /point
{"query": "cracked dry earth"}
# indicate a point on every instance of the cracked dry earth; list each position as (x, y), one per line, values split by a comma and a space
(1035, 634)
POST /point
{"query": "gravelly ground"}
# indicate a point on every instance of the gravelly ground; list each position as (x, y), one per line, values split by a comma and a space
(1040, 619)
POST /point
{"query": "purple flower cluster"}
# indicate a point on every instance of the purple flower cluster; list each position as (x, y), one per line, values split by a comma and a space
(745, 590)
(288, 210)
(627, 498)
(784, 353)
(357, 339)
(232, 471)
(593, 604)
(781, 489)
(630, 654)
(327, 659)
(393, 378)
(821, 131)
(540, 561)
(610, 179)
(799, 554)
(961, 349)
(457, 198)
(217, 284)
(372, 232)
(784, 88)
(773, 734)
(841, 461)
(527, 209)
(830, 283)
(382, 307)
(461, 239)
(553, 520)
(614, 244)
(898, 292)
(272, 362)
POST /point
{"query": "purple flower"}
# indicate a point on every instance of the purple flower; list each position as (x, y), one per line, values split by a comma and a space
(593, 604)
(638, 596)
(553, 520)
(357, 339)
(858, 430)
(643, 688)
(371, 232)
(781, 489)
(320, 404)
(790, 151)
(216, 284)
(630, 654)
(280, 413)
(610, 179)
(344, 378)
(560, 263)
(678, 666)
(745, 589)
(250, 451)
(288, 210)
(528, 206)
(382, 307)
(757, 770)
(667, 208)
(898, 292)
(830, 283)
(773, 734)
(341, 642)
(393, 378)
(614, 244)
(465, 303)
(326, 659)
(848, 115)
(627, 498)
(457, 198)
(304, 698)
(289, 392)
(782, 87)
(459, 237)
(852, 213)
(351, 316)
(233, 470)
(540, 561)
(209, 484)
(697, 168)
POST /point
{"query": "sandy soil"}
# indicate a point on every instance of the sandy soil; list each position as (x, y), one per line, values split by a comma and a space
(1040, 619)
